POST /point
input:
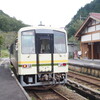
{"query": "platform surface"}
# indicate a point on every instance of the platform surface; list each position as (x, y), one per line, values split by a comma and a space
(86, 63)
(9, 89)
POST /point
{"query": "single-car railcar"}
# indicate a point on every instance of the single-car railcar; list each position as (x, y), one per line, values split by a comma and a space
(40, 56)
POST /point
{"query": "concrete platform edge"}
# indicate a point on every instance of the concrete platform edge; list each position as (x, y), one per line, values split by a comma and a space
(27, 96)
(85, 87)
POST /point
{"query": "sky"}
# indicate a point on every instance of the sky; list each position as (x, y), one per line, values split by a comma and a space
(55, 13)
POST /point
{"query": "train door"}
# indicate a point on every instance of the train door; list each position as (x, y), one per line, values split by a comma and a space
(44, 51)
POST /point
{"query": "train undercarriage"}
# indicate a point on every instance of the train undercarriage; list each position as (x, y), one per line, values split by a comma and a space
(43, 79)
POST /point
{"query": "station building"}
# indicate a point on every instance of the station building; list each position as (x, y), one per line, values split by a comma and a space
(89, 36)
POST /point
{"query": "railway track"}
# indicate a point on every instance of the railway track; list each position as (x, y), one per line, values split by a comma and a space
(87, 80)
(50, 94)
(85, 85)
(61, 93)
(58, 92)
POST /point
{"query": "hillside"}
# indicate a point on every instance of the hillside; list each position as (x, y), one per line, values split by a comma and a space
(8, 23)
(8, 29)
(81, 15)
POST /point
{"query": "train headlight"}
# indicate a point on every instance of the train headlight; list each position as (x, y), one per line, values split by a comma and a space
(26, 66)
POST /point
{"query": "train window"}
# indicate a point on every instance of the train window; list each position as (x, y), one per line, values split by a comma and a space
(28, 43)
(43, 43)
(45, 46)
(59, 42)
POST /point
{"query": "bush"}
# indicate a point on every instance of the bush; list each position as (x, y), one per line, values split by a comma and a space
(4, 53)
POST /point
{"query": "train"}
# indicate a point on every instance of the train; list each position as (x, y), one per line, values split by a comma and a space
(40, 56)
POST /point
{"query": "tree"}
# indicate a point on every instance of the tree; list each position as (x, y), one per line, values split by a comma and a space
(74, 27)
(75, 23)
(8, 23)
(1, 40)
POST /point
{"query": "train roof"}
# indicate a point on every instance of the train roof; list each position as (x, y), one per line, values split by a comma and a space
(41, 27)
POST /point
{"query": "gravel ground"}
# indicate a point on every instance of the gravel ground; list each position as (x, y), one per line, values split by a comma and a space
(69, 93)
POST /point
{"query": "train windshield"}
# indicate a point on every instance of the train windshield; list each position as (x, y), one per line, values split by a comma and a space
(28, 42)
(59, 42)
(46, 43)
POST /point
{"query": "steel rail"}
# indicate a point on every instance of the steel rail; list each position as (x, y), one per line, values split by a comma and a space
(59, 96)
(84, 90)
(85, 78)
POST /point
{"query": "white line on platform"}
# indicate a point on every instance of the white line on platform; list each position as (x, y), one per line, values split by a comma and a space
(1, 62)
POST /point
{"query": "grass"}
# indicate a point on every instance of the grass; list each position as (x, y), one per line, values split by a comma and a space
(11, 66)
(4, 53)
(33, 98)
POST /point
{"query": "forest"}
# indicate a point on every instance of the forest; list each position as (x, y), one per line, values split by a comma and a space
(8, 24)
(8, 29)
(80, 17)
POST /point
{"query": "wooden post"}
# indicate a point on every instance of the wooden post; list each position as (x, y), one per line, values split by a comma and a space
(81, 48)
(92, 51)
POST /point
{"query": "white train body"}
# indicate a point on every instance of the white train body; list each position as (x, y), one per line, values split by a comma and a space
(40, 56)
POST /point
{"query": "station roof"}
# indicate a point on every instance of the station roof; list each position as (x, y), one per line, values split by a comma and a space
(95, 16)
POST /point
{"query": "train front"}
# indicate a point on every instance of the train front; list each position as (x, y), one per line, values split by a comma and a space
(42, 56)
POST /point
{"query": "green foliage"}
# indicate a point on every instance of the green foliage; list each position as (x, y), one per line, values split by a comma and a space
(74, 27)
(8, 38)
(81, 15)
(8, 29)
(33, 98)
(8, 23)
(72, 39)
(4, 53)
(1, 40)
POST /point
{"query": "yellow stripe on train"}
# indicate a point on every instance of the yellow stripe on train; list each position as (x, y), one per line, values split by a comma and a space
(34, 62)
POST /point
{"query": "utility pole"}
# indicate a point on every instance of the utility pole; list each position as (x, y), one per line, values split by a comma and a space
(82, 17)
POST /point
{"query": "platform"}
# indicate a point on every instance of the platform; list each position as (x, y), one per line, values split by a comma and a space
(86, 66)
(95, 64)
(9, 88)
